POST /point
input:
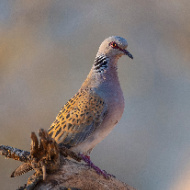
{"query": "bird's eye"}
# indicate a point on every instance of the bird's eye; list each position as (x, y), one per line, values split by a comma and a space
(113, 45)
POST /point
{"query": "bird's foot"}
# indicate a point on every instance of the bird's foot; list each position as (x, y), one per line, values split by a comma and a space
(97, 169)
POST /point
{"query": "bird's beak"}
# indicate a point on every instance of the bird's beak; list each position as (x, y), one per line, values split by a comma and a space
(128, 53)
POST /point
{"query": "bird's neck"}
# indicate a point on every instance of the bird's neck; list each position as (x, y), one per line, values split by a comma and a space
(103, 63)
(103, 70)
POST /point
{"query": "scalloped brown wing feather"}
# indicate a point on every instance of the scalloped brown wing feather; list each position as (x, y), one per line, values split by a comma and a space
(78, 118)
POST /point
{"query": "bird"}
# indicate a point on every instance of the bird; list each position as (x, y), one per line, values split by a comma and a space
(91, 114)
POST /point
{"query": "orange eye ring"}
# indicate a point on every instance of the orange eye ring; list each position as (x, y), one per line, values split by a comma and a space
(113, 44)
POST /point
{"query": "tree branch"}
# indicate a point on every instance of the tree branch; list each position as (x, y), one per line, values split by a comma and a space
(77, 175)
(54, 171)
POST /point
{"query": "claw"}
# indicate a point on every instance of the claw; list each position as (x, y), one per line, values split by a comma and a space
(97, 169)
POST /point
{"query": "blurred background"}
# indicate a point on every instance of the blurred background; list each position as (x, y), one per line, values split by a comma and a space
(47, 49)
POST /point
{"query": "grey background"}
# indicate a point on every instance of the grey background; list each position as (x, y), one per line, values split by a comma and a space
(46, 50)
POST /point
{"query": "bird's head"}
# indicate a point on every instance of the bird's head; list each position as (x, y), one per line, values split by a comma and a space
(114, 47)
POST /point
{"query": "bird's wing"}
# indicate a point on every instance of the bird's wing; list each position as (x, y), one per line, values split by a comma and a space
(78, 118)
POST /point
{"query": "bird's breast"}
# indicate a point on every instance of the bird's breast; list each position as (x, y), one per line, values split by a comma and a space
(114, 101)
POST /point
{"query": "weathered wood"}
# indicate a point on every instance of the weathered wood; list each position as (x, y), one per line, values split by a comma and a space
(53, 170)
(77, 175)
(14, 153)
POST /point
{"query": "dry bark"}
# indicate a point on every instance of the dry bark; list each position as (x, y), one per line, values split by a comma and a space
(54, 171)
(76, 175)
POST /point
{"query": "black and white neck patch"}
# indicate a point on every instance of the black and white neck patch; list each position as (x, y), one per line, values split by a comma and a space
(100, 63)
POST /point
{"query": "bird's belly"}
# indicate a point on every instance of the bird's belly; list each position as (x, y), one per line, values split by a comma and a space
(112, 118)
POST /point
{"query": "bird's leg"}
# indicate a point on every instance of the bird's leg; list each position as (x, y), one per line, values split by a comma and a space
(86, 159)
